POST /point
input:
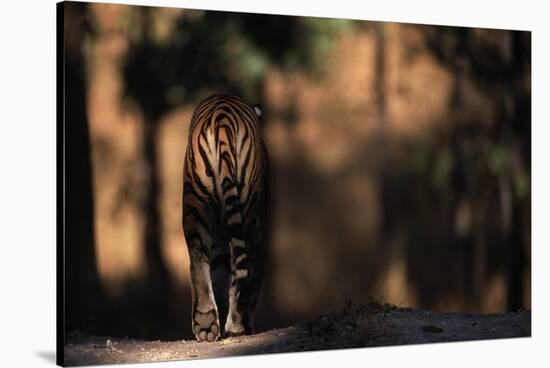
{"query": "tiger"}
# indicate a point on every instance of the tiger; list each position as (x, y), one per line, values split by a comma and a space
(226, 194)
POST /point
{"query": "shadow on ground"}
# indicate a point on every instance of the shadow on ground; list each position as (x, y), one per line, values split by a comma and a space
(352, 327)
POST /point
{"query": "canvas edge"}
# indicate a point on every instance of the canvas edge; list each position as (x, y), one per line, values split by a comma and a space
(60, 183)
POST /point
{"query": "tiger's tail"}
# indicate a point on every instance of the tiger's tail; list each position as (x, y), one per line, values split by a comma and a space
(233, 219)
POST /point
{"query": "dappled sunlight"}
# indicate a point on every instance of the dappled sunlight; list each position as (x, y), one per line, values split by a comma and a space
(418, 88)
(173, 137)
(395, 289)
(116, 157)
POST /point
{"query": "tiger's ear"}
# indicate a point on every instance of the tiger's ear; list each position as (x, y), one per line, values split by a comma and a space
(258, 110)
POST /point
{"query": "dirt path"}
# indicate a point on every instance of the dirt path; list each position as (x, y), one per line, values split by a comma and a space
(354, 327)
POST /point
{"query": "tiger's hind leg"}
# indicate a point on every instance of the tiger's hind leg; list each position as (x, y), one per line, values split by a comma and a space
(238, 317)
(205, 317)
(246, 275)
(220, 274)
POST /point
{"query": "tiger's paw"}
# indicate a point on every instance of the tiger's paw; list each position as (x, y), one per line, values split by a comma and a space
(206, 326)
(233, 329)
(229, 334)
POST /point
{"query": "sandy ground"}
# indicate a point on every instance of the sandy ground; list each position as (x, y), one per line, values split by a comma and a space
(363, 326)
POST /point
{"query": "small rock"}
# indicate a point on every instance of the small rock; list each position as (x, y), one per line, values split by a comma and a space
(431, 328)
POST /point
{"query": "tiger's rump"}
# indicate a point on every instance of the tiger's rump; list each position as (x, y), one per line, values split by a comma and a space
(225, 192)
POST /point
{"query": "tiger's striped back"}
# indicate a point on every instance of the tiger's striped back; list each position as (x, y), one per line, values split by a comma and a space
(224, 213)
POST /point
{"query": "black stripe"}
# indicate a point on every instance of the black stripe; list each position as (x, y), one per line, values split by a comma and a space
(229, 212)
(227, 184)
(216, 210)
(207, 164)
(236, 230)
(231, 200)
(242, 264)
(197, 216)
(238, 251)
(221, 260)
(187, 187)
(198, 182)
(245, 165)
(191, 236)
(220, 116)
(226, 157)
(245, 138)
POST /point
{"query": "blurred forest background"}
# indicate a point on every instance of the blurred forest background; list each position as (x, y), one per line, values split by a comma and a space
(401, 157)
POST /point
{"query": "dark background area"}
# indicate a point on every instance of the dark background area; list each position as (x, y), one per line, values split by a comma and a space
(401, 157)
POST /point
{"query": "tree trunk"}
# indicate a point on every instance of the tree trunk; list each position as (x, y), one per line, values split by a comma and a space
(81, 277)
